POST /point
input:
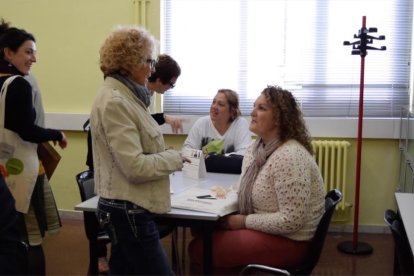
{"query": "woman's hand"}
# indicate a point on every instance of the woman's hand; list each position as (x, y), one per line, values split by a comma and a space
(185, 159)
(233, 222)
(62, 143)
(175, 123)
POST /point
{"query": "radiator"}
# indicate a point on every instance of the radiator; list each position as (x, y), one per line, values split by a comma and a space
(331, 157)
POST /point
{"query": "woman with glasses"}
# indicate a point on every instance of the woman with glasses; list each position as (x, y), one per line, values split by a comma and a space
(164, 77)
(131, 165)
(223, 135)
(161, 80)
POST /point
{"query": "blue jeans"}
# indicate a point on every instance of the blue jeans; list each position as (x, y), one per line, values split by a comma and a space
(136, 247)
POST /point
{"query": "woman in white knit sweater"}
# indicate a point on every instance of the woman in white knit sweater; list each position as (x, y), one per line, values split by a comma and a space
(281, 194)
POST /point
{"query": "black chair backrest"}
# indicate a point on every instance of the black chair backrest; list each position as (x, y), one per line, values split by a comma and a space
(86, 184)
(403, 251)
(332, 198)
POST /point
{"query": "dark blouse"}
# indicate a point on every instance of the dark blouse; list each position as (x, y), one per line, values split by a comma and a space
(20, 114)
(159, 118)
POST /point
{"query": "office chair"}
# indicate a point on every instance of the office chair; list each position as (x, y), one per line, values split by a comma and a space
(403, 257)
(332, 198)
(97, 236)
(253, 269)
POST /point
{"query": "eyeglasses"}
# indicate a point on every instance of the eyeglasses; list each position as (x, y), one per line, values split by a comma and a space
(172, 85)
(151, 62)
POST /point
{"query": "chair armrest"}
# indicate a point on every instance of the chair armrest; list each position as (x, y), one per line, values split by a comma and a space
(264, 268)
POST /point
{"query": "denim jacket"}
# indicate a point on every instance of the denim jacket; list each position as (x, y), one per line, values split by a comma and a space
(130, 160)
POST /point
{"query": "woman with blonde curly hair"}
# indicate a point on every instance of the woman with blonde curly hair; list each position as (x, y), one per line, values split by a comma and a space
(281, 194)
(131, 165)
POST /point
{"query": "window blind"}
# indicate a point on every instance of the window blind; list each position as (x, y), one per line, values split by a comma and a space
(246, 45)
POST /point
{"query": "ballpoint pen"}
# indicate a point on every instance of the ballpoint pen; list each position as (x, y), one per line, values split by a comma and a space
(206, 197)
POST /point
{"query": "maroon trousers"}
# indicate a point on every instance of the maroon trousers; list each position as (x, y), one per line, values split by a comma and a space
(234, 249)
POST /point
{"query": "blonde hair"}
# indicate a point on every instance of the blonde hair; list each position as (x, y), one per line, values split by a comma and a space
(126, 47)
(233, 101)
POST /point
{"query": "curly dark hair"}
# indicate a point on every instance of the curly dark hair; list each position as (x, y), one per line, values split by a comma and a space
(288, 116)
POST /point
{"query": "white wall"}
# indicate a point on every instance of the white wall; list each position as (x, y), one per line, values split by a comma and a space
(377, 128)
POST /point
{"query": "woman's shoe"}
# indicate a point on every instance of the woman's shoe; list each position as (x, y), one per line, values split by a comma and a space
(103, 266)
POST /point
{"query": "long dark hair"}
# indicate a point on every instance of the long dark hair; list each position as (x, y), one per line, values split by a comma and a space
(12, 38)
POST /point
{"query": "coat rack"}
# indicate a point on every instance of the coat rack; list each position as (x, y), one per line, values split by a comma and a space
(360, 47)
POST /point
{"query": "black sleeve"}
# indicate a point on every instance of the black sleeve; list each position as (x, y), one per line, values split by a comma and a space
(89, 156)
(159, 118)
(20, 114)
(224, 164)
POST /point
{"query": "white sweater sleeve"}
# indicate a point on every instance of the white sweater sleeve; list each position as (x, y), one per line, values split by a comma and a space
(195, 135)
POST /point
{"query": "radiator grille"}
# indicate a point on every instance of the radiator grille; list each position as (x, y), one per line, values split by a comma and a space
(331, 157)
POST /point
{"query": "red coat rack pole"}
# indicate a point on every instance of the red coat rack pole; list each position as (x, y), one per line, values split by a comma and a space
(358, 248)
(359, 147)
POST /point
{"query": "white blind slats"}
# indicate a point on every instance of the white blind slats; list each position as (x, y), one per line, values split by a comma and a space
(298, 44)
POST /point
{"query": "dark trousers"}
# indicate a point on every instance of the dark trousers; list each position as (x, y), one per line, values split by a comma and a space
(135, 243)
(13, 258)
(37, 263)
(13, 251)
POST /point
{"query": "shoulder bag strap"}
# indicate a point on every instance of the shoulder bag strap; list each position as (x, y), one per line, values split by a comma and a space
(3, 93)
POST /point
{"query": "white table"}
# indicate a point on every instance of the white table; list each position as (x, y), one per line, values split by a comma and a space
(186, 218)
(405, 202)
(180, 183)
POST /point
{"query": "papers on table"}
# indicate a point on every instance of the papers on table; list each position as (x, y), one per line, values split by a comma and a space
(205, 200)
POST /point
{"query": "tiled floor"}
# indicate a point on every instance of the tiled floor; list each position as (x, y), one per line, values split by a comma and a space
(67, 253)
(334, 262)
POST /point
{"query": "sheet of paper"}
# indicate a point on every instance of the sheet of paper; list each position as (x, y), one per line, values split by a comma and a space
(205, 200)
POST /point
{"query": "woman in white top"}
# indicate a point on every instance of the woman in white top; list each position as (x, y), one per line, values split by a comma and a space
(223, 136)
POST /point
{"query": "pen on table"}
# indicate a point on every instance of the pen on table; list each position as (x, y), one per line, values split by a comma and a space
(205, 197)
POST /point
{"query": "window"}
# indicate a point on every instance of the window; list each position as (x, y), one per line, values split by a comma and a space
(245, 45)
